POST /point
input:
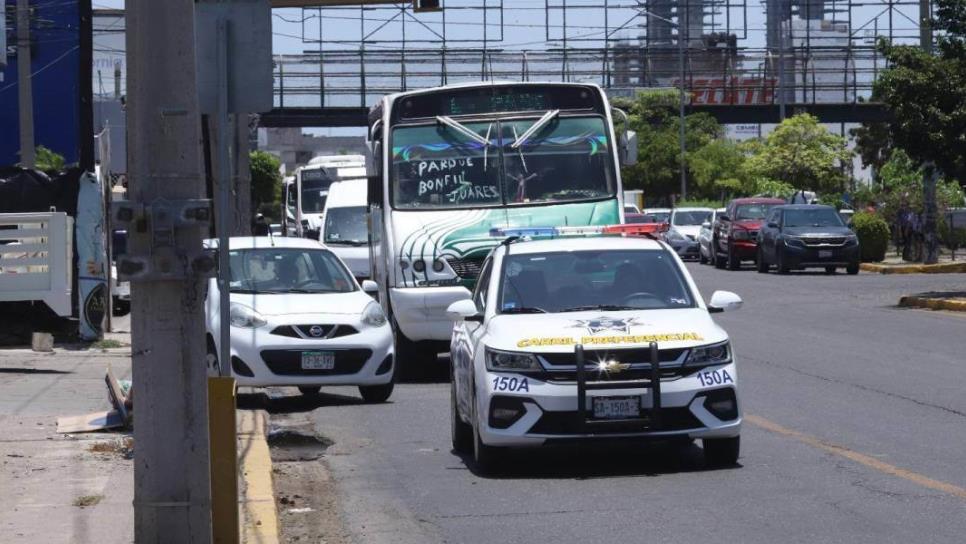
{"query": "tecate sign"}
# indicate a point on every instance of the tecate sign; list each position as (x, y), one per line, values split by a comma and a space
(731, 90)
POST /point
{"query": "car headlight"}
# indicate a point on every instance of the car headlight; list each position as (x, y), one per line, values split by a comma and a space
(240, 315)
(851, 240)
(675, 236)
(715, 354)
(373, 315)
(792, 240)
(739, 234)
(511, 361)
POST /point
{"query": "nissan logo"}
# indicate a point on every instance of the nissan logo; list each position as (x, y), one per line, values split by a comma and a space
(315, 331)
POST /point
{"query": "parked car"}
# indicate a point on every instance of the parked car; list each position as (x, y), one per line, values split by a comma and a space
(800, 236)
(346, 230)
(735, 236)
(660, 215)
(704, 236)
(685, 224)
(631, 208)
(846, 215)
(299, 318)
(638, 218)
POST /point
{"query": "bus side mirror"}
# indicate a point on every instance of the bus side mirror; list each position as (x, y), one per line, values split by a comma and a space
(629, 148)
(374, 190)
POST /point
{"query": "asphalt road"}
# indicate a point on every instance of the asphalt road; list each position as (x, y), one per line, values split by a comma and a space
(855, 431)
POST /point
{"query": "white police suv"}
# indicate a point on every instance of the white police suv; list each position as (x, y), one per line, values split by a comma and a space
(590, 337)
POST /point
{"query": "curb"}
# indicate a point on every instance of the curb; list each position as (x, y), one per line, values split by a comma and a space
(944, 268)
(258, 518)
(933, 303)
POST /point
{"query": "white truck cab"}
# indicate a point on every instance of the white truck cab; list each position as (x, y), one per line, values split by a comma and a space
(345, 230)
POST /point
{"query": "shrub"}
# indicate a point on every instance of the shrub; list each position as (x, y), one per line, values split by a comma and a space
(873, 233)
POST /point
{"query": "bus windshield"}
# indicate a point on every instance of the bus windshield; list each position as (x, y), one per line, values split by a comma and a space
(314, 192)
(442, 166)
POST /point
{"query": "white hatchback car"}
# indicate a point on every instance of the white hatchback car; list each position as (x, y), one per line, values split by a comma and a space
(586, 338)
(299, 318)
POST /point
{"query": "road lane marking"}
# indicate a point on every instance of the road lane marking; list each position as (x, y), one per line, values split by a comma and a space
(860, 458)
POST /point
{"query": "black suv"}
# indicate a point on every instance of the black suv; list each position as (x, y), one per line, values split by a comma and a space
(806, 236)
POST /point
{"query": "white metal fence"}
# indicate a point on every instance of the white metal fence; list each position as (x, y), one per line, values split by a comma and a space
(35, 259)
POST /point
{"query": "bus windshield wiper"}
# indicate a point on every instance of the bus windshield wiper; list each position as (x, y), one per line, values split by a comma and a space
(524, 310)
(462, 129)
(602, 307)
(355, 243)
(534, 128)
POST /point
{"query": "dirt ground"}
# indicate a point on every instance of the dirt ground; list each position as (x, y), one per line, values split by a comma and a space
(305, 494)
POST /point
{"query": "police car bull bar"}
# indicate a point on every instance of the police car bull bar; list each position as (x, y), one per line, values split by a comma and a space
(650, 423)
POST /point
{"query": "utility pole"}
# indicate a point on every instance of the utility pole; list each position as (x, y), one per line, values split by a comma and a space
(925, 25)
(171, 466)
(25, 85)
(681, 140)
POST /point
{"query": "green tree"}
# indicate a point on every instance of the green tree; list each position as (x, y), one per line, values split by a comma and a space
(925, 91)
(803, 154)
(718, 168)
(48, 161)
(654, 116)
(873, 144)
(266, 182)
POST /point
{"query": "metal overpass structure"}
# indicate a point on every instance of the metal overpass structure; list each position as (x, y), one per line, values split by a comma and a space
(745, 61)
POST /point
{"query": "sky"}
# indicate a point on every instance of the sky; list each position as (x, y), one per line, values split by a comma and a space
(526, 24)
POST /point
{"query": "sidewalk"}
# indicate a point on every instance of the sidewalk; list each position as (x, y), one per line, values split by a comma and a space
(79, 488)
(953, 302)
(45, 474)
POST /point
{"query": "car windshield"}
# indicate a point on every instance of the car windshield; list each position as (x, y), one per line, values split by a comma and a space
(593, 280)
(690, 218)
(287, 270)
(346, 226)
(442, 166)
(752, 211)
(815, 217)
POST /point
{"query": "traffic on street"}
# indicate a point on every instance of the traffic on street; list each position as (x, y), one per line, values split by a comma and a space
(477, 271)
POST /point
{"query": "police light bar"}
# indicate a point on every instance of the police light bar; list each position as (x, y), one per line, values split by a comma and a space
(524, 232)
(580, 231)
(650, 230)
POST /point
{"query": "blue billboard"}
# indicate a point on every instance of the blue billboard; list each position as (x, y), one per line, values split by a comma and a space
(56, 53)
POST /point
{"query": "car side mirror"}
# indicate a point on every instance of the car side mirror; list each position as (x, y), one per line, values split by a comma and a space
(464, 310)
(724, 301)
(370, 286)
(706, 225)
(723, 217)
(773, 225)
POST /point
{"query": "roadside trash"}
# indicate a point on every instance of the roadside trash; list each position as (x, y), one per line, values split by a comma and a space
(121, 398)
(42, 341)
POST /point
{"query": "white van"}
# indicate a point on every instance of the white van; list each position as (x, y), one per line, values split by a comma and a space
(346, 230)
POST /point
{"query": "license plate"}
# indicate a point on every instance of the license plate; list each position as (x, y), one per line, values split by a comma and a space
(824, 254)
(318, 360)
(617, 407)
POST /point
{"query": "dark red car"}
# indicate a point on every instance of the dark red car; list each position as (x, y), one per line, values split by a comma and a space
(735, 234)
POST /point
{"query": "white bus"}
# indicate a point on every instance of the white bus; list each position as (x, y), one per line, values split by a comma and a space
(305, 193)
(451, 164)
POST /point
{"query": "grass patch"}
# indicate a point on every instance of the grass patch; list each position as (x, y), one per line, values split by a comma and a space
(87, 500)
(108, 343)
